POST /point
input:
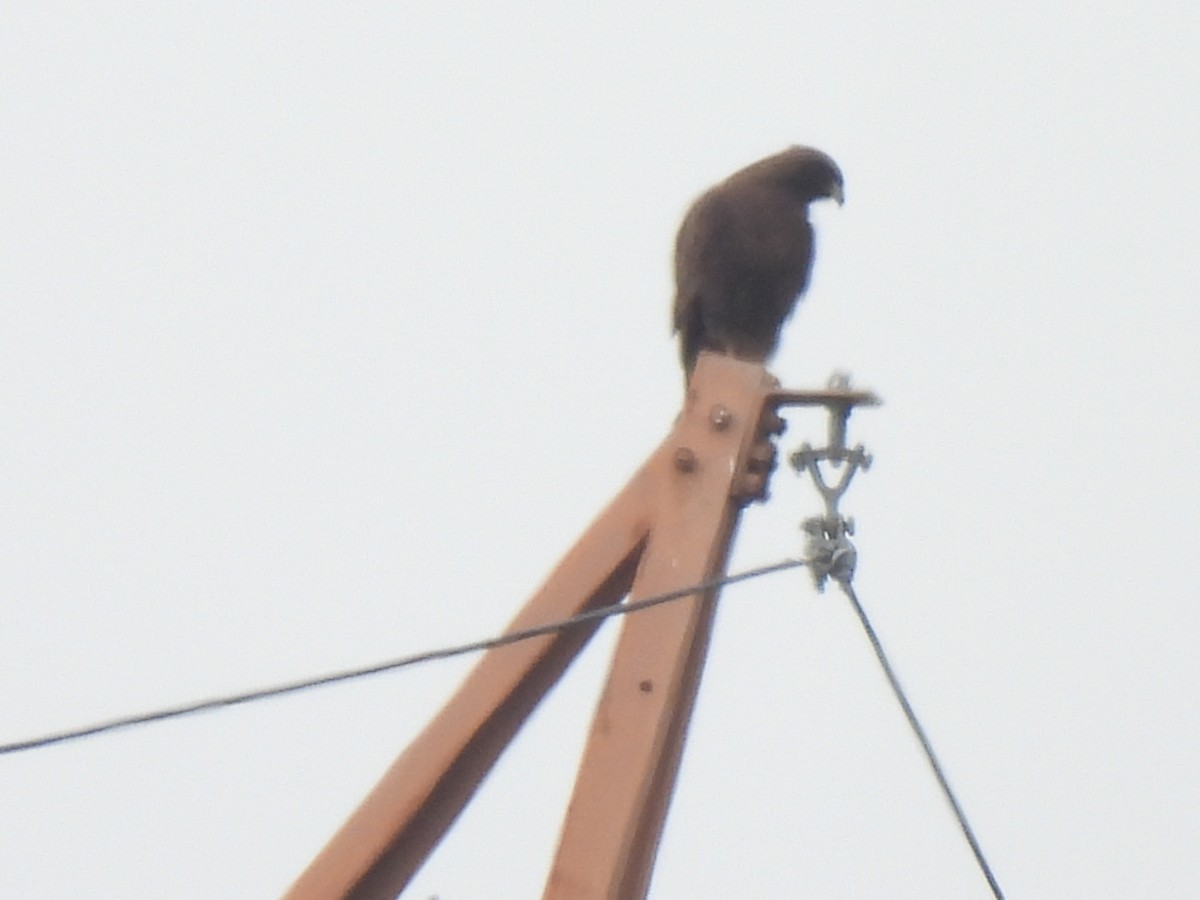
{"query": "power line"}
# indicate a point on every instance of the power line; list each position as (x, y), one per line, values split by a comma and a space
(602, 612)
(924, 739)
(591, 615)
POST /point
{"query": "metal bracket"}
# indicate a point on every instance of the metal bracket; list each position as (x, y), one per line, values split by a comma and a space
(829, 551)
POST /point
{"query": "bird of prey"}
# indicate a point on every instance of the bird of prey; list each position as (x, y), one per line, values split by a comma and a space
(744, 252)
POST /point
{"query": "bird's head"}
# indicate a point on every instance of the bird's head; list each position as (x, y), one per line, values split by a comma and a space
(806, 172)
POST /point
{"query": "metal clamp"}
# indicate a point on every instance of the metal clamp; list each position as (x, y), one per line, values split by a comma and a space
(829, 551)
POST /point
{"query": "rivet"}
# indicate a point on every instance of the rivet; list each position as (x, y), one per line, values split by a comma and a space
(685, 459)
(720, 417)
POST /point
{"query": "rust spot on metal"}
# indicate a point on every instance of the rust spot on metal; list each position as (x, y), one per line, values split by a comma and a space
(646, 686)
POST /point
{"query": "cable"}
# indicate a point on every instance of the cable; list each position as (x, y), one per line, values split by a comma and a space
(921, 736)
(602, 612)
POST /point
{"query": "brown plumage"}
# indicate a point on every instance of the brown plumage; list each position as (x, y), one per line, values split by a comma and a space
(744, 252)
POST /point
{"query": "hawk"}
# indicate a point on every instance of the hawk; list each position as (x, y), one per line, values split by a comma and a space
(744, 253)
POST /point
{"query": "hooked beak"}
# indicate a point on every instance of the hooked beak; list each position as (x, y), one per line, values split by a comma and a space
(838, 194)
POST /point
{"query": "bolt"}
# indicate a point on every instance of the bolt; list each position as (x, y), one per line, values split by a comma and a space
(773, 423)
(646, 686)
(750, 486)
(720, 417)
(761, 457)
(685, 460)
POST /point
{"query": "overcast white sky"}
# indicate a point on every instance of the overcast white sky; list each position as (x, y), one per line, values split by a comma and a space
(326, 330)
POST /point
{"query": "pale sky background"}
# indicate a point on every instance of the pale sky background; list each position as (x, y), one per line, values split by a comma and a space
(325, 330)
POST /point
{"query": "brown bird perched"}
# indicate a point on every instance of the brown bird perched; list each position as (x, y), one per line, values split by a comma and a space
(744, 253)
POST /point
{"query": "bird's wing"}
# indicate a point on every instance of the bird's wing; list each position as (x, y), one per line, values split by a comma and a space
(698, 266)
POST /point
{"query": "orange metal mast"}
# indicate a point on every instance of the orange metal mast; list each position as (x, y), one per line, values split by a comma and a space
(670, 527)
